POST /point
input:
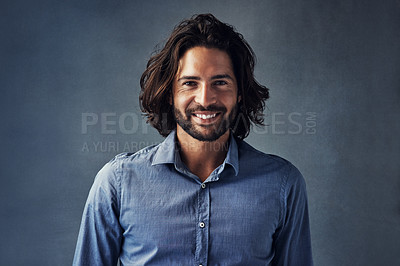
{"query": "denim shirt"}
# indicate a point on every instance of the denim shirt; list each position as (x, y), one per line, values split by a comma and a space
(147, 208)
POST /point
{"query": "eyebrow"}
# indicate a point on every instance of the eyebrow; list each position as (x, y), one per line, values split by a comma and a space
(189, 77)
(222, 76)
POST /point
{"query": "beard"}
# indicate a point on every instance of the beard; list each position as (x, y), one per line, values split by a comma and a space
(214, 131)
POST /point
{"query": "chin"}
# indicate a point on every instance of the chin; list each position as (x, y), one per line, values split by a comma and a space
(206, 136)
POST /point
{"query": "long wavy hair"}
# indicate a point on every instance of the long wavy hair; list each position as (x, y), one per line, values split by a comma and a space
(207, 31)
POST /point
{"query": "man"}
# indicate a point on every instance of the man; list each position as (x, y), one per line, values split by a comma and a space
(203, 196)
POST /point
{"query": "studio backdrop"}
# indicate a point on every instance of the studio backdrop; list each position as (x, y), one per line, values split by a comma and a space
(69, 79)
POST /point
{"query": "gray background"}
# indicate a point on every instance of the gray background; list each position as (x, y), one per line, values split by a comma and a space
(332, 68)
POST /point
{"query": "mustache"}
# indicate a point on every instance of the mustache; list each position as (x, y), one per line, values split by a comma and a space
(211, 108)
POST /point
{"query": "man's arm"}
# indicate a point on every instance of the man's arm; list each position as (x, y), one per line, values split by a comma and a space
(100, 234)
(292, 241)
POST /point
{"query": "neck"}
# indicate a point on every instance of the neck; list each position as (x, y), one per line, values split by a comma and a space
(202, 157)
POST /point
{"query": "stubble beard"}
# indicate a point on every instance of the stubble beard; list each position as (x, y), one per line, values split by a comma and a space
(215, 131)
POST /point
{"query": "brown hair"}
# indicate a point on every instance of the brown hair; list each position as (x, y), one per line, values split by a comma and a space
(201, 30)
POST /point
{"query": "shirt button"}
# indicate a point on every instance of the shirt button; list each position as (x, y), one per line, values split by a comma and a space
(203, 185)
(202, 225)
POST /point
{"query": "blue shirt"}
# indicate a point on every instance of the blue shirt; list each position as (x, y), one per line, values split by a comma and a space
(147, 208)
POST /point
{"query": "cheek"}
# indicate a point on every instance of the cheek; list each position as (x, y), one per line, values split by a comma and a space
(232, 101)
(181, 101)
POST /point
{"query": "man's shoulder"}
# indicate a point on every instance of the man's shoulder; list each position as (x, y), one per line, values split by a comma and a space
(125, 159)
(265, 162)
(124, 164)
(250, 153)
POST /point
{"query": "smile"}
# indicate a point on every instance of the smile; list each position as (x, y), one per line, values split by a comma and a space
(203, 116)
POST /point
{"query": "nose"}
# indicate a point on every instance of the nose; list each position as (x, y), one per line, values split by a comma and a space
(206, 95)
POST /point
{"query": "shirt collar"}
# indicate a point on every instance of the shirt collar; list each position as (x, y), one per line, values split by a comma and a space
(167, 150)
(232, 156)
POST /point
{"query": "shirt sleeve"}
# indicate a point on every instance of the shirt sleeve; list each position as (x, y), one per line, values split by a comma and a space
(292, 240)
(100, 233)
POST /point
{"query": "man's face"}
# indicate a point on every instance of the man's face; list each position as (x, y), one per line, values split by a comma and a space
(205, 93)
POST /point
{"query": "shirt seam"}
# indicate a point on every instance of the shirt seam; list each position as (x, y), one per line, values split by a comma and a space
(283, 198)
(117, 169)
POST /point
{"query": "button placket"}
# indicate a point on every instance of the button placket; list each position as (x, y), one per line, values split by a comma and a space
(202, 231)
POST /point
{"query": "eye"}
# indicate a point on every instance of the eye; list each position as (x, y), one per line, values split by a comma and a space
(220, 82)
(189, 83)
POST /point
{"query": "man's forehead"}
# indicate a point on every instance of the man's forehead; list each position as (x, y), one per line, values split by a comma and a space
(217, 63)
(219, 76)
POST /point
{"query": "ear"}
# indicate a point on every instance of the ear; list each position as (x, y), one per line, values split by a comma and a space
(239, 98)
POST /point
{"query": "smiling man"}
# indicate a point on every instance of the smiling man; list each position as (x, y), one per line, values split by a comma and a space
(203, 196)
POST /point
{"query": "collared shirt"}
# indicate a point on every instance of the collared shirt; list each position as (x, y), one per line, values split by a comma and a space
(147, 208)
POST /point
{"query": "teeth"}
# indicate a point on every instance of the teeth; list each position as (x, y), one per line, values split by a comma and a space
(205, 116)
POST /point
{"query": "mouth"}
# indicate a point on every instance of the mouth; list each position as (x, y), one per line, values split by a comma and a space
(206, 118)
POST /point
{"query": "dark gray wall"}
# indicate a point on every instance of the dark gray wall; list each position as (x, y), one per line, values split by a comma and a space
(332, 68)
